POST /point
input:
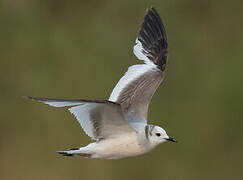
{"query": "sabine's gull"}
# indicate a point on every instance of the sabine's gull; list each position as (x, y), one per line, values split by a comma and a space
(119, 126)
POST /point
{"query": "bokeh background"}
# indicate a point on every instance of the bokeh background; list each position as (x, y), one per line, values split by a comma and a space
(80, 49)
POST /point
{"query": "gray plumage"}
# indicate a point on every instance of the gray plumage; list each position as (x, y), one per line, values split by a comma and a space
(119, 125)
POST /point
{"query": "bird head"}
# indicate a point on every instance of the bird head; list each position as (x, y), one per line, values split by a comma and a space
(157, 135)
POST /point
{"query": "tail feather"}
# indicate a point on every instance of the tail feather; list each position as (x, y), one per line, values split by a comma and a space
(74, 151)
(65, 153)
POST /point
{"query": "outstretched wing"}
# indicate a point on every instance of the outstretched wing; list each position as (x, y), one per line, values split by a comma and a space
(99, 119)
(136, 88)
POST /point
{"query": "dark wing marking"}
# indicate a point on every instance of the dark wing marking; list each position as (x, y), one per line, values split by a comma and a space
(136, 88)
(153, 38)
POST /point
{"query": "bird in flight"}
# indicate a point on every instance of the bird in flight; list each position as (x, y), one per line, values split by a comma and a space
(119, 126)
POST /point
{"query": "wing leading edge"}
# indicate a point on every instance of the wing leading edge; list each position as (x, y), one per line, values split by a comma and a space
(136, 88)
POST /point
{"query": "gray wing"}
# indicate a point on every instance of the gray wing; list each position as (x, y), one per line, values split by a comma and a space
(99, 119)
(136, 88)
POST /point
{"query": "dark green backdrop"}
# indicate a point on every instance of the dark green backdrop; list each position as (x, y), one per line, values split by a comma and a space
(70, 49)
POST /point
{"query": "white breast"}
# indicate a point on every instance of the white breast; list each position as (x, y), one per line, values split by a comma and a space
(124, 146)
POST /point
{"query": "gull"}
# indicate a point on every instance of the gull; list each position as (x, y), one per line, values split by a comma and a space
(118, 125)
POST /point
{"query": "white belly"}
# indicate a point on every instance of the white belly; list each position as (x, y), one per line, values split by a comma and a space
(116, 148)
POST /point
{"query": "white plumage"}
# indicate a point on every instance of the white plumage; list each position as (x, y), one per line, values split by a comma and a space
(119, 125)
(134, 72)
(83, 116)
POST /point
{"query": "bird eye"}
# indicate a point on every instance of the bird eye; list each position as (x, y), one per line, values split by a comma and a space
(158, 134)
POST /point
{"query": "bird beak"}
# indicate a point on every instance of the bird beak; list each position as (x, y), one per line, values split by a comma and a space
(171, 139)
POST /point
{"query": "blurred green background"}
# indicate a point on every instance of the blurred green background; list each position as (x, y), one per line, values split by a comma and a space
(80, 49)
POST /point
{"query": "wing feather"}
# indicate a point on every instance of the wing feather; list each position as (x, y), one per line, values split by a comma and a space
(136, 88)
(99, 119)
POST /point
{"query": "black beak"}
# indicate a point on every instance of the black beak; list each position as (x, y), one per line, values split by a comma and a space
(171, 139)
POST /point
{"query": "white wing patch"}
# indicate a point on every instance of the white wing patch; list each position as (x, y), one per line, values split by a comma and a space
(57, 102)
(139, 51)
(99, 119)
(133, 72)
(60, 104)
(82, 114)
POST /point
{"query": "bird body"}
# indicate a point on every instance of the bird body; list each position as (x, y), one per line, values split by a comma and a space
(119, 125)
(115, 148)
(127, 145)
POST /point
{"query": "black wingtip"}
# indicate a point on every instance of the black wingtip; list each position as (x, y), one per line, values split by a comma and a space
(152, 36)
(31, 98)
(63, 153)
(151, 8)
(34, 98)
(73, 149)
